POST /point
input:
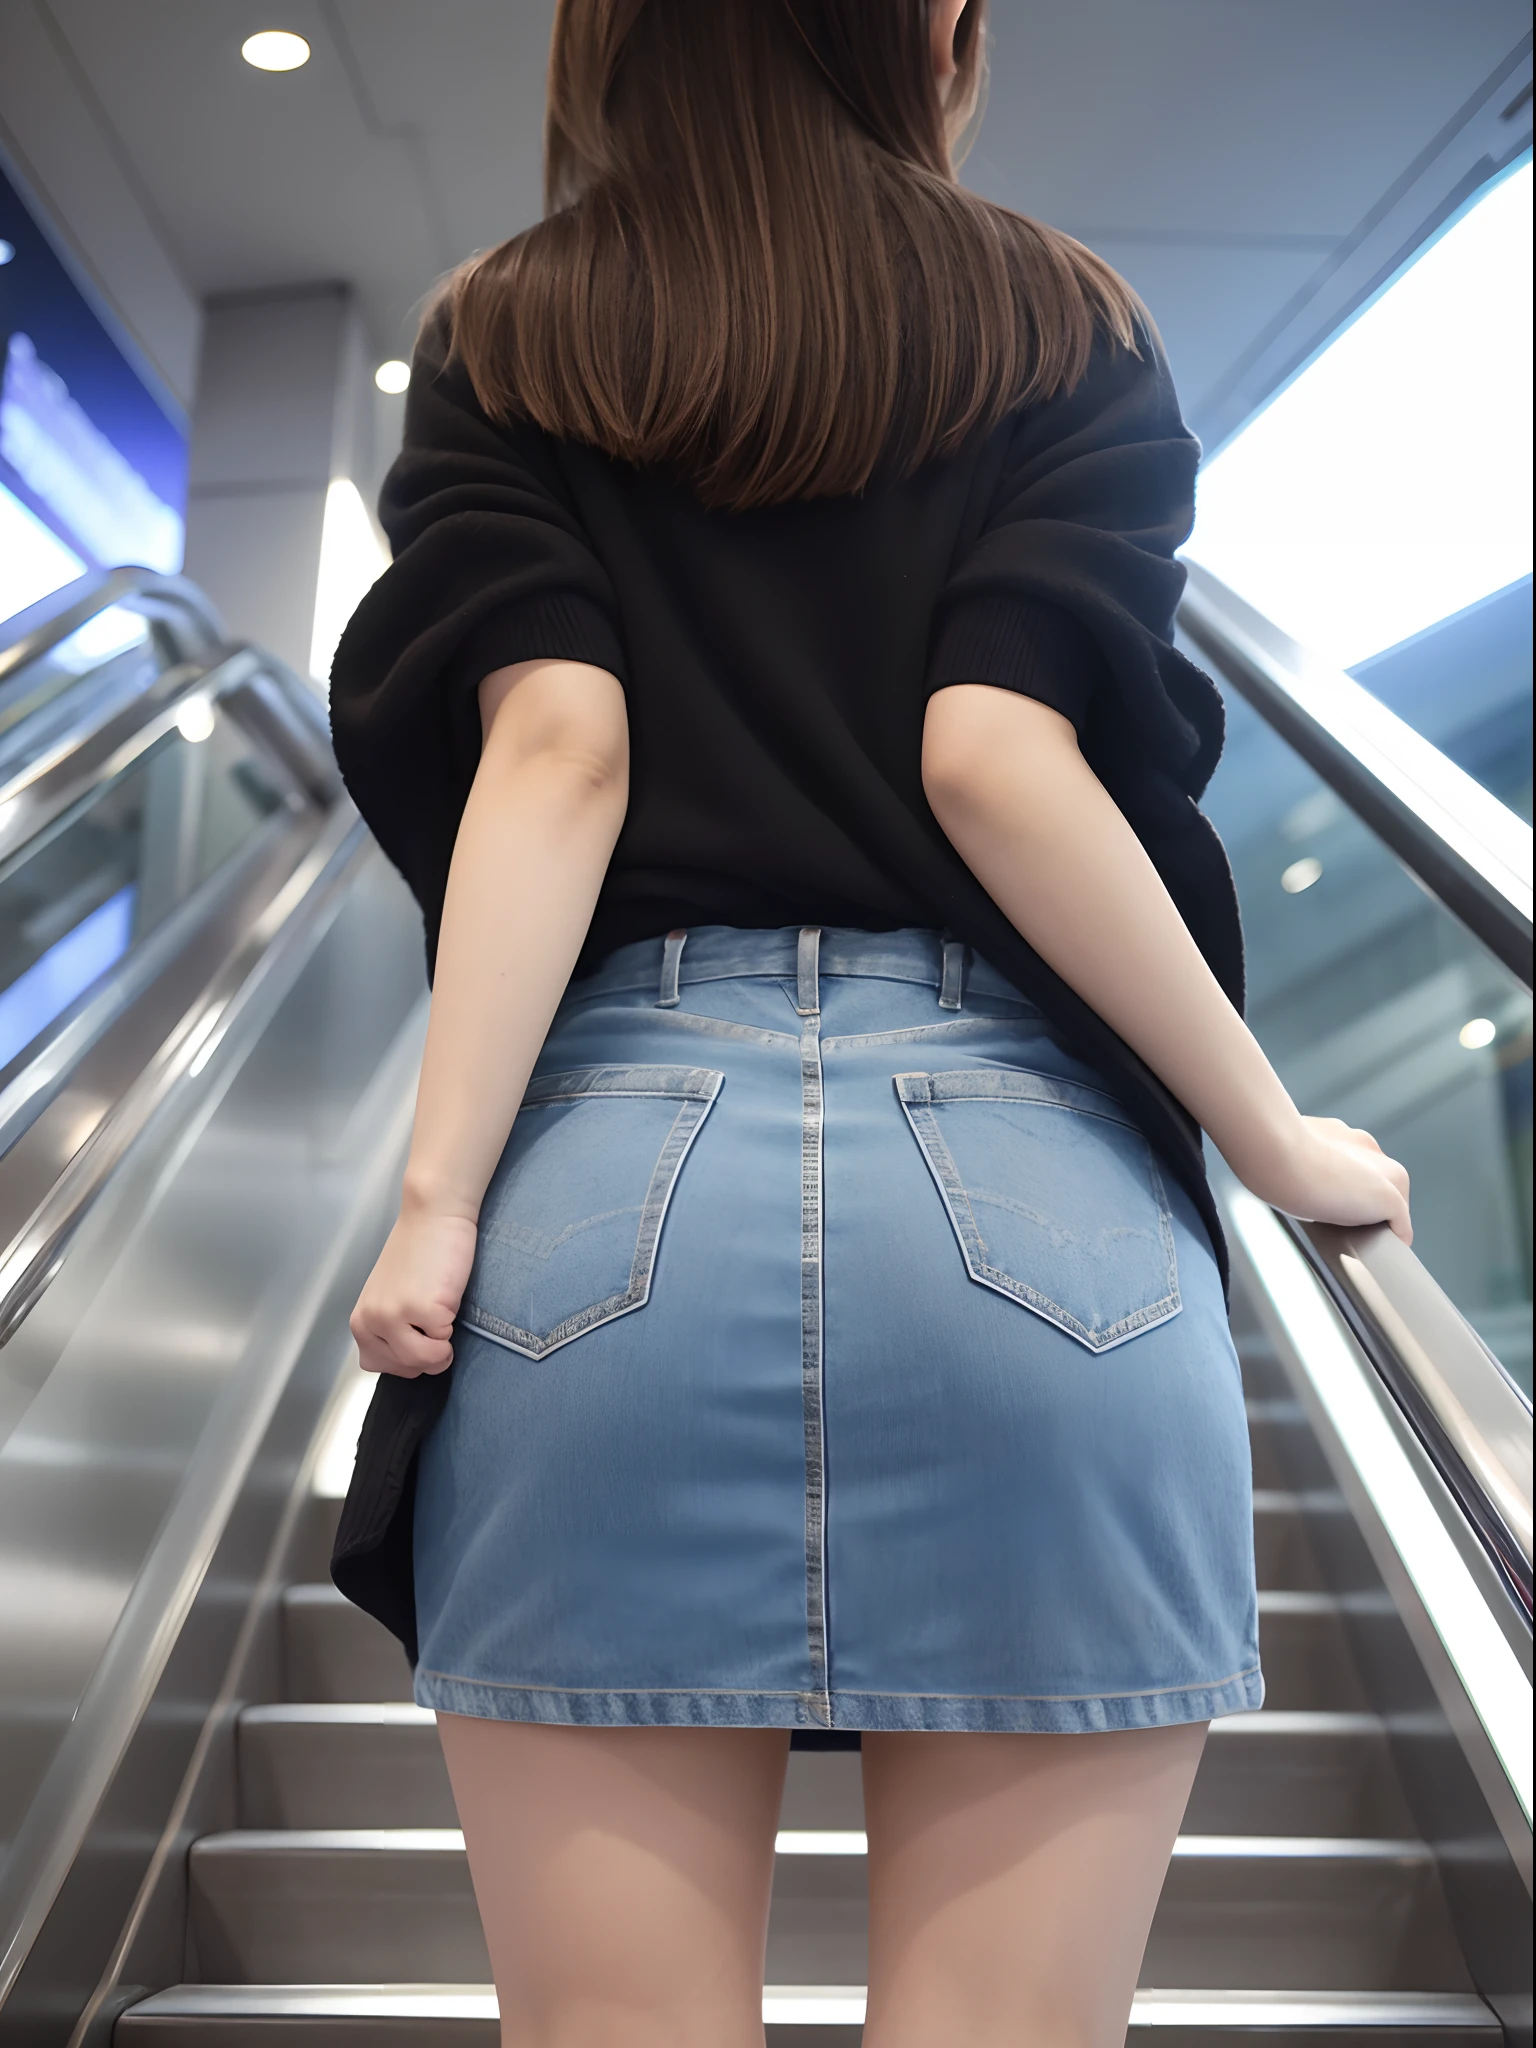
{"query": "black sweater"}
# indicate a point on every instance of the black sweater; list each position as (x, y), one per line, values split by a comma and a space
(776, 664)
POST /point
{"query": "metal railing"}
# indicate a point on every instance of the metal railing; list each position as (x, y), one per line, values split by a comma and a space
(282, 713)
(1467, 849)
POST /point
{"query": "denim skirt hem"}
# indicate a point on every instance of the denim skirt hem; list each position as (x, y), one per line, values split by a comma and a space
(912, 1713)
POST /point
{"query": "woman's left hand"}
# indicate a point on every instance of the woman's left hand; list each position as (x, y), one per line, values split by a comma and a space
(403, 1321)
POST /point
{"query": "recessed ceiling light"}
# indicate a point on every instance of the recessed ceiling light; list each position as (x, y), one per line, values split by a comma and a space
(275, 49)
(1301, 874)
(392, 376)
(1478, 1032)
(7, 251)
(194, 719)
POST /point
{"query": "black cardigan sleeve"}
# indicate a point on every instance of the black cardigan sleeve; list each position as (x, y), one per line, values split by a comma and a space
(491, 566)
(1067, 590)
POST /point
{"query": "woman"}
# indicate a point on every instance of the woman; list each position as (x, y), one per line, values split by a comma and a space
(772, 704)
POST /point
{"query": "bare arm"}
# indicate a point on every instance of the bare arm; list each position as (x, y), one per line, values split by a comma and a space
(533, 846)
(1036, 827)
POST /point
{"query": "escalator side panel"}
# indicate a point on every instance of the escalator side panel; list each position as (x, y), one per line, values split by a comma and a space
(206, 1293)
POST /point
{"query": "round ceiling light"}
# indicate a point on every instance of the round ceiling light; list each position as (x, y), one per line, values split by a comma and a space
(1301, 874)
(1478, 1032)
(393, 376)
(275, 49)
(7, 251)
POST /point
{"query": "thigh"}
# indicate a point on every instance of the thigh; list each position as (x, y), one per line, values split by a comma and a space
(622, 1876)
(1013, 1878)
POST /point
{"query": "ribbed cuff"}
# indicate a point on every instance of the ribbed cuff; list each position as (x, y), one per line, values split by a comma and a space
(555, 627)
(1018, 644)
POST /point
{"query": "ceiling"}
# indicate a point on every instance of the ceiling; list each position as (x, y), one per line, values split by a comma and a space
(1216, 151)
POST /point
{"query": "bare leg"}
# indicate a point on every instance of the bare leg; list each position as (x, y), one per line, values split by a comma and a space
(622, 1876)
(1012, 1881)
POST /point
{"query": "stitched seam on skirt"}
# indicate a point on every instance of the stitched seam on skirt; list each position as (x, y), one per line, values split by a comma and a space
(812, 1110)
(647, 1692)
(1149, 1692)
(723, 1027)
(957, 1028)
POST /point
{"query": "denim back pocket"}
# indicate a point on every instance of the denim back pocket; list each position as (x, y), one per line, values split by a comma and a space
(572, 1217)
(1055, 1198)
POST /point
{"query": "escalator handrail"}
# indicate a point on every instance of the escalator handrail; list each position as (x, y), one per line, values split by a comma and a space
(32, 633)
(35, 1253)
(1469, 851)
(1471, 1417)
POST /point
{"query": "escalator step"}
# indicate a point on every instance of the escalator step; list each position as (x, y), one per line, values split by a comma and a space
(1290, 1912)
(464, 2016)
(381, 1766)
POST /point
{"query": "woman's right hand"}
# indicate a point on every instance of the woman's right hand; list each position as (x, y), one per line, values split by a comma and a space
(1328, 1172)
(403, 1321)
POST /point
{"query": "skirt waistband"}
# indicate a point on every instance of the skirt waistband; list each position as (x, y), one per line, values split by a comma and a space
(722, 952)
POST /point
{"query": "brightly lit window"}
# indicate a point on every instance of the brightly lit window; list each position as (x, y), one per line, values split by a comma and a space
(351, 560)
(1388, 485)
(34, 562)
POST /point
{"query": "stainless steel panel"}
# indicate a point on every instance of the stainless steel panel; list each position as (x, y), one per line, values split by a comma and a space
(1282, 1549)
(193, 2016)
(363, 1908)
(333, 1652)
(169, 1328)
(381, 1766)
(343, 1767)
(1278, 1773)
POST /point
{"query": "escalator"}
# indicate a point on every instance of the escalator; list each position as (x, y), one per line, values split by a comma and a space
(224, 1822)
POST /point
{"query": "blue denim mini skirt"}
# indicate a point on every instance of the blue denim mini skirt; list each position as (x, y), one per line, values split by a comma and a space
(836, 1355)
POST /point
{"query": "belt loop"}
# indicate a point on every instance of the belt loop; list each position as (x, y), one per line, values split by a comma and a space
(669, 995)
(952, 983)
(808, 985)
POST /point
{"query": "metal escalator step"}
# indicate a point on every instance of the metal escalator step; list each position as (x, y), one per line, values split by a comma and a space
(380, 1766)
(814, 2016)
(1278, 1431)
(1306, 1655)
(372, 1765)
(333, 1652)
(1282, 1547)
(1297, 1773)
(1305, 1914)
(1287, 1912)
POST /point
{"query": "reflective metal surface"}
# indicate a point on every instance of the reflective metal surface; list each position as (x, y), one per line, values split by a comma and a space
(227, 1244)
(1458, 840)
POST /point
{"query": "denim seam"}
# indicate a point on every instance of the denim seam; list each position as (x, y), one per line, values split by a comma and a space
(582, 1084)
(1140, 1692)
(871, 1711)
(812, 1111)
(721, 1027)
(684, 1129)
(956, 1027)
(1014, 1084)
(1144, 1692)
(729, 1692)
(973, 1245)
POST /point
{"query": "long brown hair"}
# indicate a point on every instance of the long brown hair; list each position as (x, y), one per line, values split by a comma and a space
(756, 265)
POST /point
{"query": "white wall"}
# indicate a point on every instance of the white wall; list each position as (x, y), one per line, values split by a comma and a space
(283, 407)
